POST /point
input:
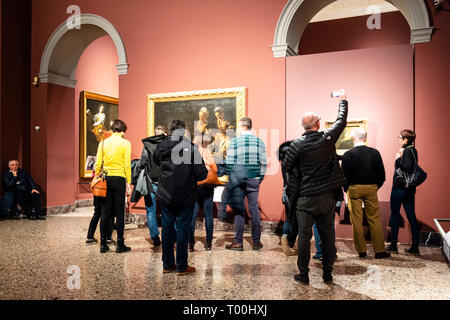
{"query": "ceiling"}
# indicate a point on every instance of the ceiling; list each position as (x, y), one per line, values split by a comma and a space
(341, 9)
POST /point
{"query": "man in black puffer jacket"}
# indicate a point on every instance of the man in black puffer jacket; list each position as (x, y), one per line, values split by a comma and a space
(181, 168)
(318, 175)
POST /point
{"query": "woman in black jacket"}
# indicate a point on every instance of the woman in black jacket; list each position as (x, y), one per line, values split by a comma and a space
(405, 160)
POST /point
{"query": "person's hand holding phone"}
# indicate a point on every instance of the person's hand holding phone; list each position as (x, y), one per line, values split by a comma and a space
(341, 94)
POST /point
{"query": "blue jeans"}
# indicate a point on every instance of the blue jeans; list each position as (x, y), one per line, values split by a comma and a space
(292, 231)
(317, 241)
(251, 192)
(151, 212)
(182, 217)
(407, 199)
(204, 200)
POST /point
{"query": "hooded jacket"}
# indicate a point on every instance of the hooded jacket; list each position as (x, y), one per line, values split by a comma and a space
(152, 169)
(181, 168)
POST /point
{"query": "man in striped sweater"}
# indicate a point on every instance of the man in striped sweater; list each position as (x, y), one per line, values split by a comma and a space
(249, 152)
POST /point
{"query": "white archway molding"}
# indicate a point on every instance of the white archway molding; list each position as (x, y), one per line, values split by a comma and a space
(65, 47)
(298, 13)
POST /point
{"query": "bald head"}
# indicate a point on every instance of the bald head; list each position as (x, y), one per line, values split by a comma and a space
(360, 135)
(311, 121)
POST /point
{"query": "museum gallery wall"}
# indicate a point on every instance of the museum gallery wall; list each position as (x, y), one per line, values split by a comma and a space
(187, 46)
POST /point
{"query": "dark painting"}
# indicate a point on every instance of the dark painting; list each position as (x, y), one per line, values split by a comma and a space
(189, 110)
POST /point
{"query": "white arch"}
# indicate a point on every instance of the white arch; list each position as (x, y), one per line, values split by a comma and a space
(65, 46)
(298, 13)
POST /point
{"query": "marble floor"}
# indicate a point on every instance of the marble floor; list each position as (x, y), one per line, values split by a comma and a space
(35, 257)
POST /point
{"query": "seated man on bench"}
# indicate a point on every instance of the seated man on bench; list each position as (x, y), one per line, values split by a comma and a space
(21, 190)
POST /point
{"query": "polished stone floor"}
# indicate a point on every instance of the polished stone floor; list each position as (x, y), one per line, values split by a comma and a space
(35, 257)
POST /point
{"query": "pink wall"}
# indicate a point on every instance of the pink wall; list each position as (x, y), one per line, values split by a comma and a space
(181, 46)
(352, 33)
(96, 72)
(432, 118)
(379, 86)
(60, 158)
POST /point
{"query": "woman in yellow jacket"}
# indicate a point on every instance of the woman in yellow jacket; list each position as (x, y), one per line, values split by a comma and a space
(115, 154)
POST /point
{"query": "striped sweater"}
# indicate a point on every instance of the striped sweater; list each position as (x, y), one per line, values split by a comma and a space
(250, 151)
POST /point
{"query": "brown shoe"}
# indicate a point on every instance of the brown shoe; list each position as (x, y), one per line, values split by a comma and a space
(188, 270)
(285, 245)
(173, 269)
(235, 246)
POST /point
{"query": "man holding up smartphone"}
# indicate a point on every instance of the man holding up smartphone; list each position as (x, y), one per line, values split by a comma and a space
(314, 157)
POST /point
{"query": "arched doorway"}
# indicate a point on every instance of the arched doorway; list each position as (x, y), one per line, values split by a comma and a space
(54, 150)
(65, 46)
(298, 13)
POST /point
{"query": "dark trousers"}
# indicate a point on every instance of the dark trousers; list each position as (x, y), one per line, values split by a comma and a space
(204, 201)
(114, 206)
(407, 199)
(251, 192)
(181, 217)
(28, 202)
(99, 202)
(319, 209)
(291, 229)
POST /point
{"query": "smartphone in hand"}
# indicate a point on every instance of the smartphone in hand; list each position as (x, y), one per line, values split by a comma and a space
(338, 93)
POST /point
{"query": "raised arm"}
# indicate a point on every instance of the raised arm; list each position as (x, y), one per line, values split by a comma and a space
(341, 121)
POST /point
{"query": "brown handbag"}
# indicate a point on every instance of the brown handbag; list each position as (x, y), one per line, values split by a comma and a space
(98, 184)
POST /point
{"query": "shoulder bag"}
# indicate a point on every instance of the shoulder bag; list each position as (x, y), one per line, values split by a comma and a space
(98, 184)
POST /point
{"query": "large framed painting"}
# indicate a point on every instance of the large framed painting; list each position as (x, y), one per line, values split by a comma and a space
(345, 141)
(201, 110)
(96, 114)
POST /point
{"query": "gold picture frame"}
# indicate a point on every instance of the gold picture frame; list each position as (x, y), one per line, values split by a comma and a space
(187, 104)
(94, 126)
(345, 141)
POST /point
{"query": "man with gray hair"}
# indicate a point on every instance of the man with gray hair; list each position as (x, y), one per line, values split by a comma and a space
(313, 167)
(364, 170)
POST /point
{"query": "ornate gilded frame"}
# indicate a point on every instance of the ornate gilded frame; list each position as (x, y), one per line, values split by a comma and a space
(240, 93)
(84, 96)
(350, 125)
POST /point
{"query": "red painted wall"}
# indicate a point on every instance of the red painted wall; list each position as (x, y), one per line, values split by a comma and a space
(379, 83)
(181, 46)
(432, 118)
(15, 83)
(96, 72)
(61, 160)
(352, 33)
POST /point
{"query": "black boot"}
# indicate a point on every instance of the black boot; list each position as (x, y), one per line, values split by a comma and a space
(414, 250)
(121, 247)
(393, 247)
(103, 246)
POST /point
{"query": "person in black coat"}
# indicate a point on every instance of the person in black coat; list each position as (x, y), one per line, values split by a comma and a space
(319, 175)
(405, 159)
(152, 171)
(290, 226)
(21, 190)
(181, 168)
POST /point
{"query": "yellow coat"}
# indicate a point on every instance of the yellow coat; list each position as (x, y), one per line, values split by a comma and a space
(116, 156)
